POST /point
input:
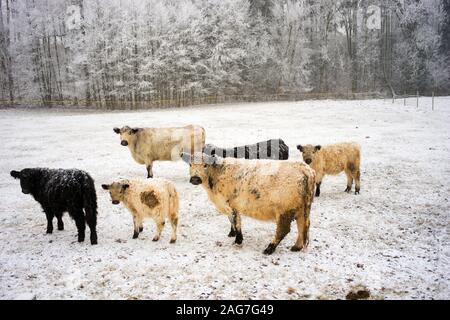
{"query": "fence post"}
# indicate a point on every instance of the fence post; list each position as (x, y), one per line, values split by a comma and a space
(432, 101)
(417, 102)
(404, 98)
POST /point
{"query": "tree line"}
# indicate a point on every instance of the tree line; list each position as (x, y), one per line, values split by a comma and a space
(145, 53)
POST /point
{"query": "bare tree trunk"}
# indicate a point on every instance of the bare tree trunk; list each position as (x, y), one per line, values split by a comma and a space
(5, 45)
(386, 55)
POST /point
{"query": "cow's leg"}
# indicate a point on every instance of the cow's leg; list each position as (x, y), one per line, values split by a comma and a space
(149, 166)
(349, 175)
(302, 229)
(319, 178)
(137, 221)
(60, 221)
(91, 220)
(173, 223)
(80, 221)
(237, 227)
(141, 227)
(318, 189)
(283, 228)
(233, 228)
(357, 177)
(159, 228)
(49, 214)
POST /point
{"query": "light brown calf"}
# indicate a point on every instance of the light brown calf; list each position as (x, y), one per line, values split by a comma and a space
(156, 199)
(332, 160)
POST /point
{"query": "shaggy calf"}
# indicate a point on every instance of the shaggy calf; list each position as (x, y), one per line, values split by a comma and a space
(58, 191)
(156, 199)
(274, 149)
(332, 160)
(161, 144)
(267, 190)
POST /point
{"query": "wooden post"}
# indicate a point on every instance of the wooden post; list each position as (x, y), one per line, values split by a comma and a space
(404, 98)
(417, 100)
(432, 101)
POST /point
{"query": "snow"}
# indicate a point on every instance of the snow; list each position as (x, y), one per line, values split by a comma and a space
(393, 239)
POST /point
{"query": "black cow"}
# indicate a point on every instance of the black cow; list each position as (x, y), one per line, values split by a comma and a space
(58, 191)
(274, 149)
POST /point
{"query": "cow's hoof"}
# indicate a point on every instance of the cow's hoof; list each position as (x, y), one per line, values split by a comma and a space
(296, 248)
(348, 189)
(135, 235)
(156, 238)
(49, 232)
(149, 177)
(80, 239)
(173, 240)
(232, 234)
(141, 229)
(239, 238)
(270, 249)
(356, 192)
(317, 194)
(94, 242)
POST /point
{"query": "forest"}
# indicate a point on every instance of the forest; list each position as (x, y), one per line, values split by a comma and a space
(153, 53)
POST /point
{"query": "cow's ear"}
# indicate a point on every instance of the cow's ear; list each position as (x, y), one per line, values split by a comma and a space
(116, 130)
(317, 148)
(105, 186)
(15, 174)
(300, 148)
(134, 130)
(186, 157)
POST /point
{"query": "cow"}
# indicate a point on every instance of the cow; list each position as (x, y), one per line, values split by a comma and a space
(274, 149)
(332, 160)
(61, 190)
(267, 190)
(156, 199)
(160, 144)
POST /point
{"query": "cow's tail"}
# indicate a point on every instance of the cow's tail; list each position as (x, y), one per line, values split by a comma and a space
(173, 209)
(89, 199)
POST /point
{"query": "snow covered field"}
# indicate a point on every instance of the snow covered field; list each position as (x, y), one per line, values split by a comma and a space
(393, 239)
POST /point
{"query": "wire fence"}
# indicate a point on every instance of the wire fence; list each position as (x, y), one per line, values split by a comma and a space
(415, 99)
(123, 103)
(430, 101)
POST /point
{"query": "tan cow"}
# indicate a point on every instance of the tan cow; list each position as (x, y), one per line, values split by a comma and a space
(332, 160)
(161, 144)
(156, 199)
(267, 190)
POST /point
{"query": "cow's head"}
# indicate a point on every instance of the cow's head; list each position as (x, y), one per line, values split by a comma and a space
(309, 152)
(127, 135)
(27, 179)
(199, 164)
(116, 190)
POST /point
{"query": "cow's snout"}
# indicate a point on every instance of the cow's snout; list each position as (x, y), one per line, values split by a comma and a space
(25, 191)
(124, 143)
(115, 202)
(308, 161)
(195, 180)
